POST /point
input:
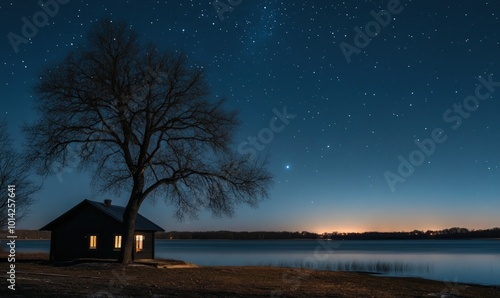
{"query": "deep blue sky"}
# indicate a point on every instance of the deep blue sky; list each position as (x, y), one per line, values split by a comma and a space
(353, 120)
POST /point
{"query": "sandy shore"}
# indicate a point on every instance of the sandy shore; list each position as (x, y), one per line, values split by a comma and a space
(37, 277)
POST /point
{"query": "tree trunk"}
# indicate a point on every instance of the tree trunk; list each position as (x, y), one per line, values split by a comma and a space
(128, 230)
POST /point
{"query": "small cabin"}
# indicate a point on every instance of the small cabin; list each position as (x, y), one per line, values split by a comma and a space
(93, 230)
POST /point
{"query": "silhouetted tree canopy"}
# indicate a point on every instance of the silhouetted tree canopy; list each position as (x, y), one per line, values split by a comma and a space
(14, 171)
(142, 121)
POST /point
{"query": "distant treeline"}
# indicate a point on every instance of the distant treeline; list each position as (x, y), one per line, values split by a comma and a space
(228, 235)
(452, 233)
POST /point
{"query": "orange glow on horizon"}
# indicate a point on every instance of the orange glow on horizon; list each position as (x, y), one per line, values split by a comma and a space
(347, 229)
(383, 229)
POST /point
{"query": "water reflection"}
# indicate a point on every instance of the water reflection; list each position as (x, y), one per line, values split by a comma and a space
(467, 261)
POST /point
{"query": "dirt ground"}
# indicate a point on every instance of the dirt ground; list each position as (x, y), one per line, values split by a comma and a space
(37, 277)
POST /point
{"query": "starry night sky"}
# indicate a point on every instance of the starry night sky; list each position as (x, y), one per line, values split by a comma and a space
(349, 124)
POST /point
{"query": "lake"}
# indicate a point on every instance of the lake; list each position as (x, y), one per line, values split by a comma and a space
(466, 261)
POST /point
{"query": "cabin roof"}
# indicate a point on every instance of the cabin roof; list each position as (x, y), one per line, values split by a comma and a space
(113, 211)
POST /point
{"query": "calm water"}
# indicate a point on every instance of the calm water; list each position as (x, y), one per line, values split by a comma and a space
(469, 261)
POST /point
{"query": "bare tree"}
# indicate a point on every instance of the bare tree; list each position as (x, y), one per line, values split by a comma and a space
(143, 122)
(13, 171)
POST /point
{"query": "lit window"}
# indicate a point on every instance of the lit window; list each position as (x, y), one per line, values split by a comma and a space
(93, 242)
(139, 240)
(118, 242)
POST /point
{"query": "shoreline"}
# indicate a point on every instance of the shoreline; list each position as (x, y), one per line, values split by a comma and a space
(36, 276)
(301, 239)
